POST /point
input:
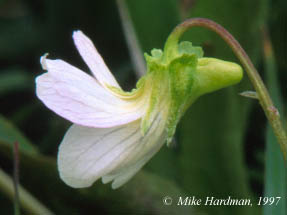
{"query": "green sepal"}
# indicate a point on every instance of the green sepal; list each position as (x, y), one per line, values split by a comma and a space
(156, 53)
(181, 82)
(186, 47)
(175, 80)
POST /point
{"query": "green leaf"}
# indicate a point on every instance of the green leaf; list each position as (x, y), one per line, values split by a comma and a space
(275, 170)
(10, 134)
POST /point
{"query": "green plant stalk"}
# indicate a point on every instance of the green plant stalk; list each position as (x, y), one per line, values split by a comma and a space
(16, 178)
(30, 204)
(264, 98)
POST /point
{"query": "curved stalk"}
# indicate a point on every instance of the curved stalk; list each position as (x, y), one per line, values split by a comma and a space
(270, 110)
(16, 178)
(29, 203)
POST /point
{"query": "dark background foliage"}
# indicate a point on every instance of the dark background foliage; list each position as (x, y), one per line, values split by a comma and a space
(220, 144)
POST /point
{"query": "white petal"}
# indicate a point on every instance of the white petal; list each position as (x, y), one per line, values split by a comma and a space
(127, 173)
(79, 98)
(87, 154)
(93, 59)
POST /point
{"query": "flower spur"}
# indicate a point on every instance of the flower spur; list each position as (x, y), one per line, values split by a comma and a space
(114, 133)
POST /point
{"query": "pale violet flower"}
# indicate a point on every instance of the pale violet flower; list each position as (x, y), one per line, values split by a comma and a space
(115, 132)
(105, 140)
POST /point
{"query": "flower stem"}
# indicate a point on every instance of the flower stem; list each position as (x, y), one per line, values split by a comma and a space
(270, 110)
(16, 178)
(27, 201)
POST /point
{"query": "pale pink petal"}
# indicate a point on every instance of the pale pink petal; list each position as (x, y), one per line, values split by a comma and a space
(93, 59)
(79, 98)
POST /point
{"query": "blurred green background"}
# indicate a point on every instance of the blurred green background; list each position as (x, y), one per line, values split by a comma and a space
(222, 147)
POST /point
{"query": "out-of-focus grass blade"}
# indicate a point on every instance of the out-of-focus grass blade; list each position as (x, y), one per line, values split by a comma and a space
(275, 170)
(10, 134)
(131, 38)
(27, 201)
